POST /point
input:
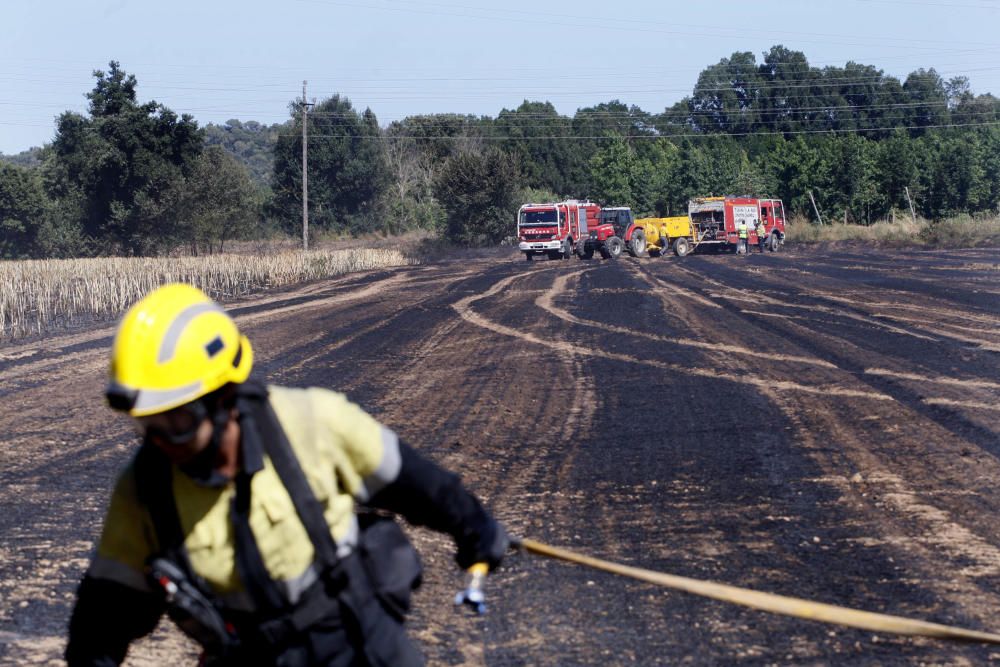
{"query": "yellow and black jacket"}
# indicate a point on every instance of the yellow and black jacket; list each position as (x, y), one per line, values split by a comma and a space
(347, 457)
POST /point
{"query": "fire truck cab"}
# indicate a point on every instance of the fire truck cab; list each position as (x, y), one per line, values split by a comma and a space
(554, 229)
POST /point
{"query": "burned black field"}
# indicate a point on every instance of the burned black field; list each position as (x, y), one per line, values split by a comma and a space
(819, 423)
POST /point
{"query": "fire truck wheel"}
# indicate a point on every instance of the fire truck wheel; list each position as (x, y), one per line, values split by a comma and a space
(615, 247)
(567, 249)
(527, 256)
(681, 246)
(773, 243)
(637, 244)
(555, 254)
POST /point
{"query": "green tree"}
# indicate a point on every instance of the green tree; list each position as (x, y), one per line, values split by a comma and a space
(614, 171)
(727, 96)
(711, 166)
(955, 180)
(800, 171)
(22, 207)
(29, 158)
(926, 93)
(219, 202)
(439, 136)
(408, 201)
(347, 170)
(252, 143)
(122, 167)
(541, 139)
(786, 98)
(897, 166)
(658, 164)
(479, 193)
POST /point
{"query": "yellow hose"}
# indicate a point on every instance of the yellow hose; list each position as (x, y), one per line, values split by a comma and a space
(777, 604)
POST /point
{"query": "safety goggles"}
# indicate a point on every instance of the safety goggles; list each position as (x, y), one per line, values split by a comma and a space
(174, 427)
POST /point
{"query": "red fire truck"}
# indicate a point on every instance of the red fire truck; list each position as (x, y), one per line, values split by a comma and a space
(554, 229)
(715, 223)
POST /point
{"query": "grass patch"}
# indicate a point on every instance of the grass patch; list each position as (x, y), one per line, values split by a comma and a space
(958, 232)
(37, 296)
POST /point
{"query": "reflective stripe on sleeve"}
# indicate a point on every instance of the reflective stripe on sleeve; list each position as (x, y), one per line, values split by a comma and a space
(112, 570)
(387, 470)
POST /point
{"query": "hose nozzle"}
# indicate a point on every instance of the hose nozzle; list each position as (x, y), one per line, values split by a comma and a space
(473, 595)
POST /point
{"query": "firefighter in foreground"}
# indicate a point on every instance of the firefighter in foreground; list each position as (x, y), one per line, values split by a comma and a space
(237, 514)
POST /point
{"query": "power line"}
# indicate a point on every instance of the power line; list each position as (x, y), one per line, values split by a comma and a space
(699, 135)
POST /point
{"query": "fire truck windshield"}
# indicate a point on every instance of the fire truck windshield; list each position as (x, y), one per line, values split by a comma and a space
(538, 217)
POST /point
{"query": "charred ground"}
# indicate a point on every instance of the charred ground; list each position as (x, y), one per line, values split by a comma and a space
(819, 423)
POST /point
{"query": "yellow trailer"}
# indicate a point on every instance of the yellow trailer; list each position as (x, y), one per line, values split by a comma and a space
(661, 232)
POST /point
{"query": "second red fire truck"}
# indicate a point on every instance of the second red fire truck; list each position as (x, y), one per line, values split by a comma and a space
(715, 223)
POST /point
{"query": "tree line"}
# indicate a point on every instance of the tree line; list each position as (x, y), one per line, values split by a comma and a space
(137, 179)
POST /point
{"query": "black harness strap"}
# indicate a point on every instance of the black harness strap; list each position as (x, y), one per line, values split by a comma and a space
(260, 428)
(249, 562)
(258, 417)
(154, 487)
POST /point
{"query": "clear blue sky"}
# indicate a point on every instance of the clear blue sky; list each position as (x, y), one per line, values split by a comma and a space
(218, 59)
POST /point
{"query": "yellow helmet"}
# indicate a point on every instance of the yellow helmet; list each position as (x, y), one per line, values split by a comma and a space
(173, 347)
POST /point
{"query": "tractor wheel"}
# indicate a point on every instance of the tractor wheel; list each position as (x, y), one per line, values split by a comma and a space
(605, 254)
(637, 244)
(588, 251)
(615, 247)
(681, 246)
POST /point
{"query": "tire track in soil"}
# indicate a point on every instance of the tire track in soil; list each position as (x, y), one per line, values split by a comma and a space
(610, 537)
(926, 353)
(604, 650)
(536, 404)
(936, 535)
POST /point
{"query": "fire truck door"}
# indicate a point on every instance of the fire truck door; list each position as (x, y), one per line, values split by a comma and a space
(766, 214)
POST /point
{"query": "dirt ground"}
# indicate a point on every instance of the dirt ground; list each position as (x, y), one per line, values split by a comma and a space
(820, 423)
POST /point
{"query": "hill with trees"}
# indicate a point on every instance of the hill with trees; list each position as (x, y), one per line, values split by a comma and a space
(136, 178)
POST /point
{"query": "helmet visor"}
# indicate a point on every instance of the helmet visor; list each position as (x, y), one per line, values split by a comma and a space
(120, 398)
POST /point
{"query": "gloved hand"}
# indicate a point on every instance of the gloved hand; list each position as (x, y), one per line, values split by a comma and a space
(488, 545)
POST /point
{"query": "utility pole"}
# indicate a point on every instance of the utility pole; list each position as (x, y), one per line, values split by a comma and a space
(913, 216)
(815, 208)
(305, 169)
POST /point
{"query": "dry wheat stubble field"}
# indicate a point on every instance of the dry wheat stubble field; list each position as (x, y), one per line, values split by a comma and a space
(820, 423)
